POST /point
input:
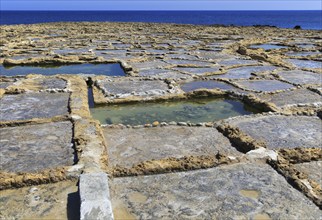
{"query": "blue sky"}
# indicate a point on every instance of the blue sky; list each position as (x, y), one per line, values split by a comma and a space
(160, 5)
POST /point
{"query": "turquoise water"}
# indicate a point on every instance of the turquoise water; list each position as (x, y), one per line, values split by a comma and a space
(98, 69)
(194, 111)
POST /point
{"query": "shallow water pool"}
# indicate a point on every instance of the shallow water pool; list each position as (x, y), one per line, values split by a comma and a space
(193, 110)
(114, 69)
(267, 46)
(306, 63)
(194, 85)
(302, 54)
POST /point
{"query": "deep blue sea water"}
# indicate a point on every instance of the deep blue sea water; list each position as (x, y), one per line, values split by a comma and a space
(284, 19)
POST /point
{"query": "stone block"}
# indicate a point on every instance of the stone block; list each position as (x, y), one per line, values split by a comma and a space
(95, 197)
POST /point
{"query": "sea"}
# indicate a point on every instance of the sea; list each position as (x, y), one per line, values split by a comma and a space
(282, 19)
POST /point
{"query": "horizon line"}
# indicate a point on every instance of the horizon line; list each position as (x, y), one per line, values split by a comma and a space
(172, 10)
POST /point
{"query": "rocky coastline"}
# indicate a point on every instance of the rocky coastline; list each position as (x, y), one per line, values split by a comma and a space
(57, 158)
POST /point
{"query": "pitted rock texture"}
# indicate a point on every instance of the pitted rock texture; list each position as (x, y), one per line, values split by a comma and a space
(128, 89)
(128, 147)
(4, 85)
(301, 77)
(6, 82)
(190, 63)
(233, 191)
(162, 73)
(312, 169)
(230, 62)
(33, 105)
(198, 71)
(39, 82)
(293, 97)
(32, 148)
(48, 201)
(278, 131)
(52, 83)
(149, 64)
(246, 72)
(263, 85)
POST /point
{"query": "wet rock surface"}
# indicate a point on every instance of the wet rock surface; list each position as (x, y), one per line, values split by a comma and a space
(263, 85)
(38, 83)
(128, 147)
(246, 72)
(296, 97)
(306, 64)
(282, 131)
(33, 105)
(52, 83)
(299, 77)
(162, 73)
(50, 142)
(132, 89)
(233, 191)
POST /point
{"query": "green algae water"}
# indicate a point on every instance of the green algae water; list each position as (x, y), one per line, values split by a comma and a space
(192, 110)
(114, 69)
